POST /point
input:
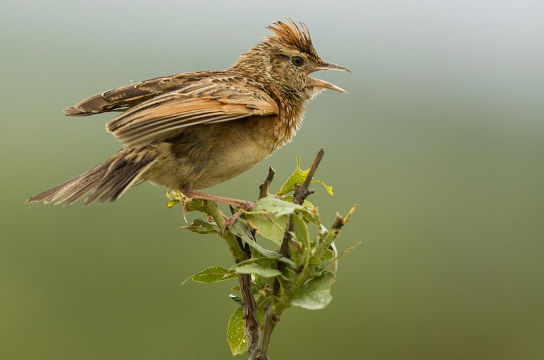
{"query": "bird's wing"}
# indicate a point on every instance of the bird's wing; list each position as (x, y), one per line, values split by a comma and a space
(209, 101)
(128, 96)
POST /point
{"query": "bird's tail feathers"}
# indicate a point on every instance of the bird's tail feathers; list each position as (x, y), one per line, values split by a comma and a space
(106, 181)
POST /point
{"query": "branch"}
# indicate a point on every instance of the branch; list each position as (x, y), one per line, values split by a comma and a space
(212, 209)
(249, 306)
(273, 311)
(328, 238)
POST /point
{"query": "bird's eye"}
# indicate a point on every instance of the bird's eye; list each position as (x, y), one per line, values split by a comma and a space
(297, 60)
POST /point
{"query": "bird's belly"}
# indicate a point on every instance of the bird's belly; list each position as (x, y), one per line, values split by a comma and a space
(229, 165)
(209, 155)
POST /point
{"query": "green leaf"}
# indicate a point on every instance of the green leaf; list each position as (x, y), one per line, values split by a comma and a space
(269, 217)
(257, 269)
(314, 261)
(271, 229)
(212, 275)
(202, 227)
(328, 255)
(235, 332)
(241, 230)
(300, 229)
(296, 255)
(315, 294)
(308, 205)
(237, 299)
(297, 177)
(196, 205)
(277, 207)
(327, 187)
(176, 197)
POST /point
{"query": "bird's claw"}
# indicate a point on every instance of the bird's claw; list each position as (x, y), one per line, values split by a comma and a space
(185, 200)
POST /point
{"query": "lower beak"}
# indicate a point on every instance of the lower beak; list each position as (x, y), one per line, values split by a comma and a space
(322, 83)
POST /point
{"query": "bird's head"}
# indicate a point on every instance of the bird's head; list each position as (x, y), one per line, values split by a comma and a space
(287, 58)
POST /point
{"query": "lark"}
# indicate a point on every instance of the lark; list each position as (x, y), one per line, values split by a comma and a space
(194, 130)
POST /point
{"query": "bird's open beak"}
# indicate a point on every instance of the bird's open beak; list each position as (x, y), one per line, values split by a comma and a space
(322, 83)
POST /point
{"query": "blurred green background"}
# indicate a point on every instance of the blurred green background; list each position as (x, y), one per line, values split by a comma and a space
(440, 141)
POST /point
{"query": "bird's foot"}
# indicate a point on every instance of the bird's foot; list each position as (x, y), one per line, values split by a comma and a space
(237, 214)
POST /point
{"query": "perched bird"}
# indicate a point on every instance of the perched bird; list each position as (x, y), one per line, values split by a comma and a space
(194, 130)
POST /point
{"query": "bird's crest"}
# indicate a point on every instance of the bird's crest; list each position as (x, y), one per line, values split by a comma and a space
(291, 34)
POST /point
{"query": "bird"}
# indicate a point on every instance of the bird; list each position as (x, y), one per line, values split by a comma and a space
(194, 130)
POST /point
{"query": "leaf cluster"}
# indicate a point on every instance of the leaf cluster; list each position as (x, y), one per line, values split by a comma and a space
(303, 278)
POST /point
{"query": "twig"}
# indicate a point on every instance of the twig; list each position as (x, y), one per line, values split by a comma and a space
(263, 188)
(302, 193)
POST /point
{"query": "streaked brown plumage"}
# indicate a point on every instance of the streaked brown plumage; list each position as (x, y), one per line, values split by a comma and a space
(195, 130)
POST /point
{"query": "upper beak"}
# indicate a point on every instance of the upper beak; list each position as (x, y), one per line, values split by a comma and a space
(328, 66)
(322, 83)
